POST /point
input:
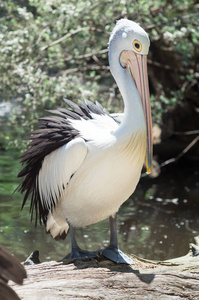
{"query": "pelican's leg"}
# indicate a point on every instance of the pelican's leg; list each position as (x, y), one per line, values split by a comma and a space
(112, 252)
(76, 251)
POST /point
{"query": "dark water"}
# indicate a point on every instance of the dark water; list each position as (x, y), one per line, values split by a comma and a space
(158, 222)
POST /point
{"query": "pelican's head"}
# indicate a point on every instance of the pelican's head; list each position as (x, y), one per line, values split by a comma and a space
(128, 49)
(128, 35)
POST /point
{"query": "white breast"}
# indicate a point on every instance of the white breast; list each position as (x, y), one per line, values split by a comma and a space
(105, 180)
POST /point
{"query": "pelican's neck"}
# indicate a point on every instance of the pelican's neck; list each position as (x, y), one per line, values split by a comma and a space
(133, 120)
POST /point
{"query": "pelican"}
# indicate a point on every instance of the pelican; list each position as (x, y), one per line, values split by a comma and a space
(10, 269)
(82, 164)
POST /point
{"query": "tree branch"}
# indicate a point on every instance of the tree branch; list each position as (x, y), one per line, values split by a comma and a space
(191, 132)
(157, 64)
(184, 151)
(79, 57)
(87, 68)
(64, 37)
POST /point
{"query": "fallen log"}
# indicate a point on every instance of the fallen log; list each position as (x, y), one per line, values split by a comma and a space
(102, 279)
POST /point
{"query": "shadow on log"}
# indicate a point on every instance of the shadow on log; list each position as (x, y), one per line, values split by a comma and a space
(102, 279)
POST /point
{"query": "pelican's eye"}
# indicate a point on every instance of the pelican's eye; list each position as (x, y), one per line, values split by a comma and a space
(137, 45)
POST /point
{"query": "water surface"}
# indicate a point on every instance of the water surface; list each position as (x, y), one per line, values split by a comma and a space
(158, 221)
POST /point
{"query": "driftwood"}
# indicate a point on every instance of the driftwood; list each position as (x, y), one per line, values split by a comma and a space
(102, 279)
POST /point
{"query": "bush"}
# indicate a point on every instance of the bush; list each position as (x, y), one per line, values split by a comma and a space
(55, 49)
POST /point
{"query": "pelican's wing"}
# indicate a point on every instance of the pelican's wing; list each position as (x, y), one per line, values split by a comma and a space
(7, 293)
(57, 169)
(10, 268)
(55, 152)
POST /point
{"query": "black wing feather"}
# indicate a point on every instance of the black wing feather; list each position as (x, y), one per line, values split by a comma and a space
(54, 132)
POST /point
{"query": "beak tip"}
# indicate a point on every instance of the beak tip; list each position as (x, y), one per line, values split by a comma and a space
(148, 170)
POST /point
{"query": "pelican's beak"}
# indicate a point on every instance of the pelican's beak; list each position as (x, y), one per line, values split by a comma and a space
(137, 65)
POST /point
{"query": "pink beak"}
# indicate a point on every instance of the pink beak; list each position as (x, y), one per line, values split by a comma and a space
(138, 67)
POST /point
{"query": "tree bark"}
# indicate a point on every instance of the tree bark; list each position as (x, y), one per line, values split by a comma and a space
(102, 279)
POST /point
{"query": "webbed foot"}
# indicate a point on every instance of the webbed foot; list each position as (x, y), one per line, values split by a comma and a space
(80, 254)
(116, 255)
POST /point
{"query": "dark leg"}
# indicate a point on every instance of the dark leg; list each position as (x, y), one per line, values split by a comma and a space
(112, 252)
(76, 251)
(113, 231)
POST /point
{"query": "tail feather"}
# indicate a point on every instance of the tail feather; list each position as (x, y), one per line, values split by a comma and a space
(56, 226)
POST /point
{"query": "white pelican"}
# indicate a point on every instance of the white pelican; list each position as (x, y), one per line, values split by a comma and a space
(82, 164)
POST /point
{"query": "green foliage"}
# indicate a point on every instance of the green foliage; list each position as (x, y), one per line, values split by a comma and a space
(54, 49)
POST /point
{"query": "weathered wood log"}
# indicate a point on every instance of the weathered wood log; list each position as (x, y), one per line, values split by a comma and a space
(102, 279)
